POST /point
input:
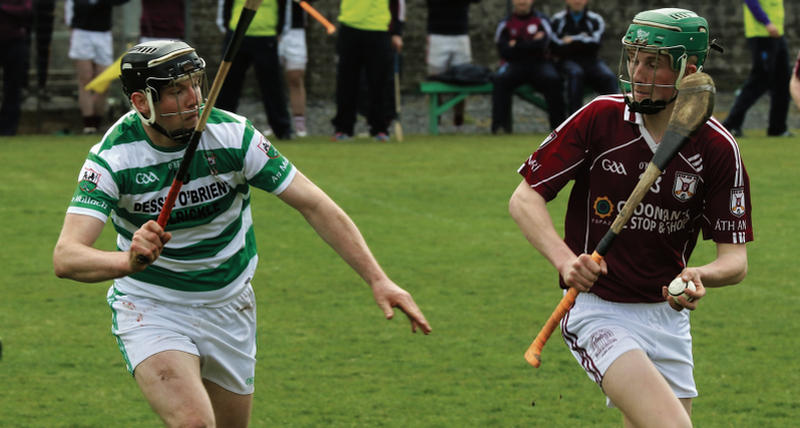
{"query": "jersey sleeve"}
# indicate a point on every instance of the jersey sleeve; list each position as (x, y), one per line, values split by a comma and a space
(97, 192)
(727, 211)
(558, 158)
(264, 166)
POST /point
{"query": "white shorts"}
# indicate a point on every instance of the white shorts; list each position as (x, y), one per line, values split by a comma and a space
(96, 46)
(597, 332)
(223, 335)
(292, 49)
(447, 51)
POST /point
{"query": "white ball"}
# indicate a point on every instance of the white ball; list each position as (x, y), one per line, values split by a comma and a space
(678, 285)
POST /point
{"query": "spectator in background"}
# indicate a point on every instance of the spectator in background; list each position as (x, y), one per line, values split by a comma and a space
(44, 18)
(578, 32)
(293, 55)
(16, 20)
(763, 27)
(448, 41)
(369, 30)
(522, 39)
(162, 19)
(260, 48)
(91, 48)
(794, 83)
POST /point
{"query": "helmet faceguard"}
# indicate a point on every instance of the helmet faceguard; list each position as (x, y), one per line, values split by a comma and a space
(152, 67)
(678, 34)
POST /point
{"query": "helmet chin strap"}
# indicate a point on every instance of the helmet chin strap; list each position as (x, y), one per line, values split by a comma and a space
(647, 106)
(180, 136)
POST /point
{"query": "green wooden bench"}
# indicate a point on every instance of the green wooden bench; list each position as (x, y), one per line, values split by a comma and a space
(435, 89)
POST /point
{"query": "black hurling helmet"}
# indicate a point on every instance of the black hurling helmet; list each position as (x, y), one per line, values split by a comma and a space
(150, 66)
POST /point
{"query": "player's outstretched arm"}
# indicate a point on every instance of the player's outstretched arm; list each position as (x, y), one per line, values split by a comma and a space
(336, 228)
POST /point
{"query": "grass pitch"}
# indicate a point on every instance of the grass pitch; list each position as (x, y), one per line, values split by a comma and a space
(434, 211)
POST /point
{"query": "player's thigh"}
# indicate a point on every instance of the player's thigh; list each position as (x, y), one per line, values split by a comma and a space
(630, 378)
(230, 409)
(171, 383)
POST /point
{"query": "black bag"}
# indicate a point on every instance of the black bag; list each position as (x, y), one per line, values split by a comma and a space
(464, 74)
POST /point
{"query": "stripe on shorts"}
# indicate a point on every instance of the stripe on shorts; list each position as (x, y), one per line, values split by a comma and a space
(586, 360)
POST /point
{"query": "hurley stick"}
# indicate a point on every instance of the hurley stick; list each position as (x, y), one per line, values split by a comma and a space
(398, 126)
(316, 15)
(693, 107)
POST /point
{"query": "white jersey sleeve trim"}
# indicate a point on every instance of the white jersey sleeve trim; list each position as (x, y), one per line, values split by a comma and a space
(286, 182)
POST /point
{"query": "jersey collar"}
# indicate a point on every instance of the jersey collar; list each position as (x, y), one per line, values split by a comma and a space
(638, 120)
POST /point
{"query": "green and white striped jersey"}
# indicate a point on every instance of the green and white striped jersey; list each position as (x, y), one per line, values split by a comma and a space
(212, 253)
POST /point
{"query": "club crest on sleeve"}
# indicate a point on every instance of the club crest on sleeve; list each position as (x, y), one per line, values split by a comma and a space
(265, 146)
(737, 202)
(549, 138)
(89, 180)
(685, 186)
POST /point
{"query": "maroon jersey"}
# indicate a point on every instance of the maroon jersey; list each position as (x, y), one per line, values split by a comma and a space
(604, 147)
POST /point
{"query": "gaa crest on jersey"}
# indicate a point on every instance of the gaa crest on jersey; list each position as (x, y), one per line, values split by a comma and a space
(89, 180)
(603, 207)
(685, 186)
(737, 201)
(265, 146)
(532, 28)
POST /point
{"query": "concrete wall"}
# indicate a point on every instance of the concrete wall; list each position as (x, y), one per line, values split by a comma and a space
(725, 19)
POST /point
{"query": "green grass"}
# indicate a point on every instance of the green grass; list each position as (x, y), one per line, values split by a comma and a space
(434, 211)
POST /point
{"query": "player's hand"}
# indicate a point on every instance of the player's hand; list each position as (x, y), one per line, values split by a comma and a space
(690, 298)
(146, 245)
(388, 296)
(583, 272)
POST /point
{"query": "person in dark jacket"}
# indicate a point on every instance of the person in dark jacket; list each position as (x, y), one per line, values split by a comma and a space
(578, 32)
(16, 18)
(522, 40)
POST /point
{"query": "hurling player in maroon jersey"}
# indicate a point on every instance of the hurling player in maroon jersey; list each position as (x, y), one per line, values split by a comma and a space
(623, 330)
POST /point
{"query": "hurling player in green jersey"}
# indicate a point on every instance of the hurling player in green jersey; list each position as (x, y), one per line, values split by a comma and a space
(185, 321)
